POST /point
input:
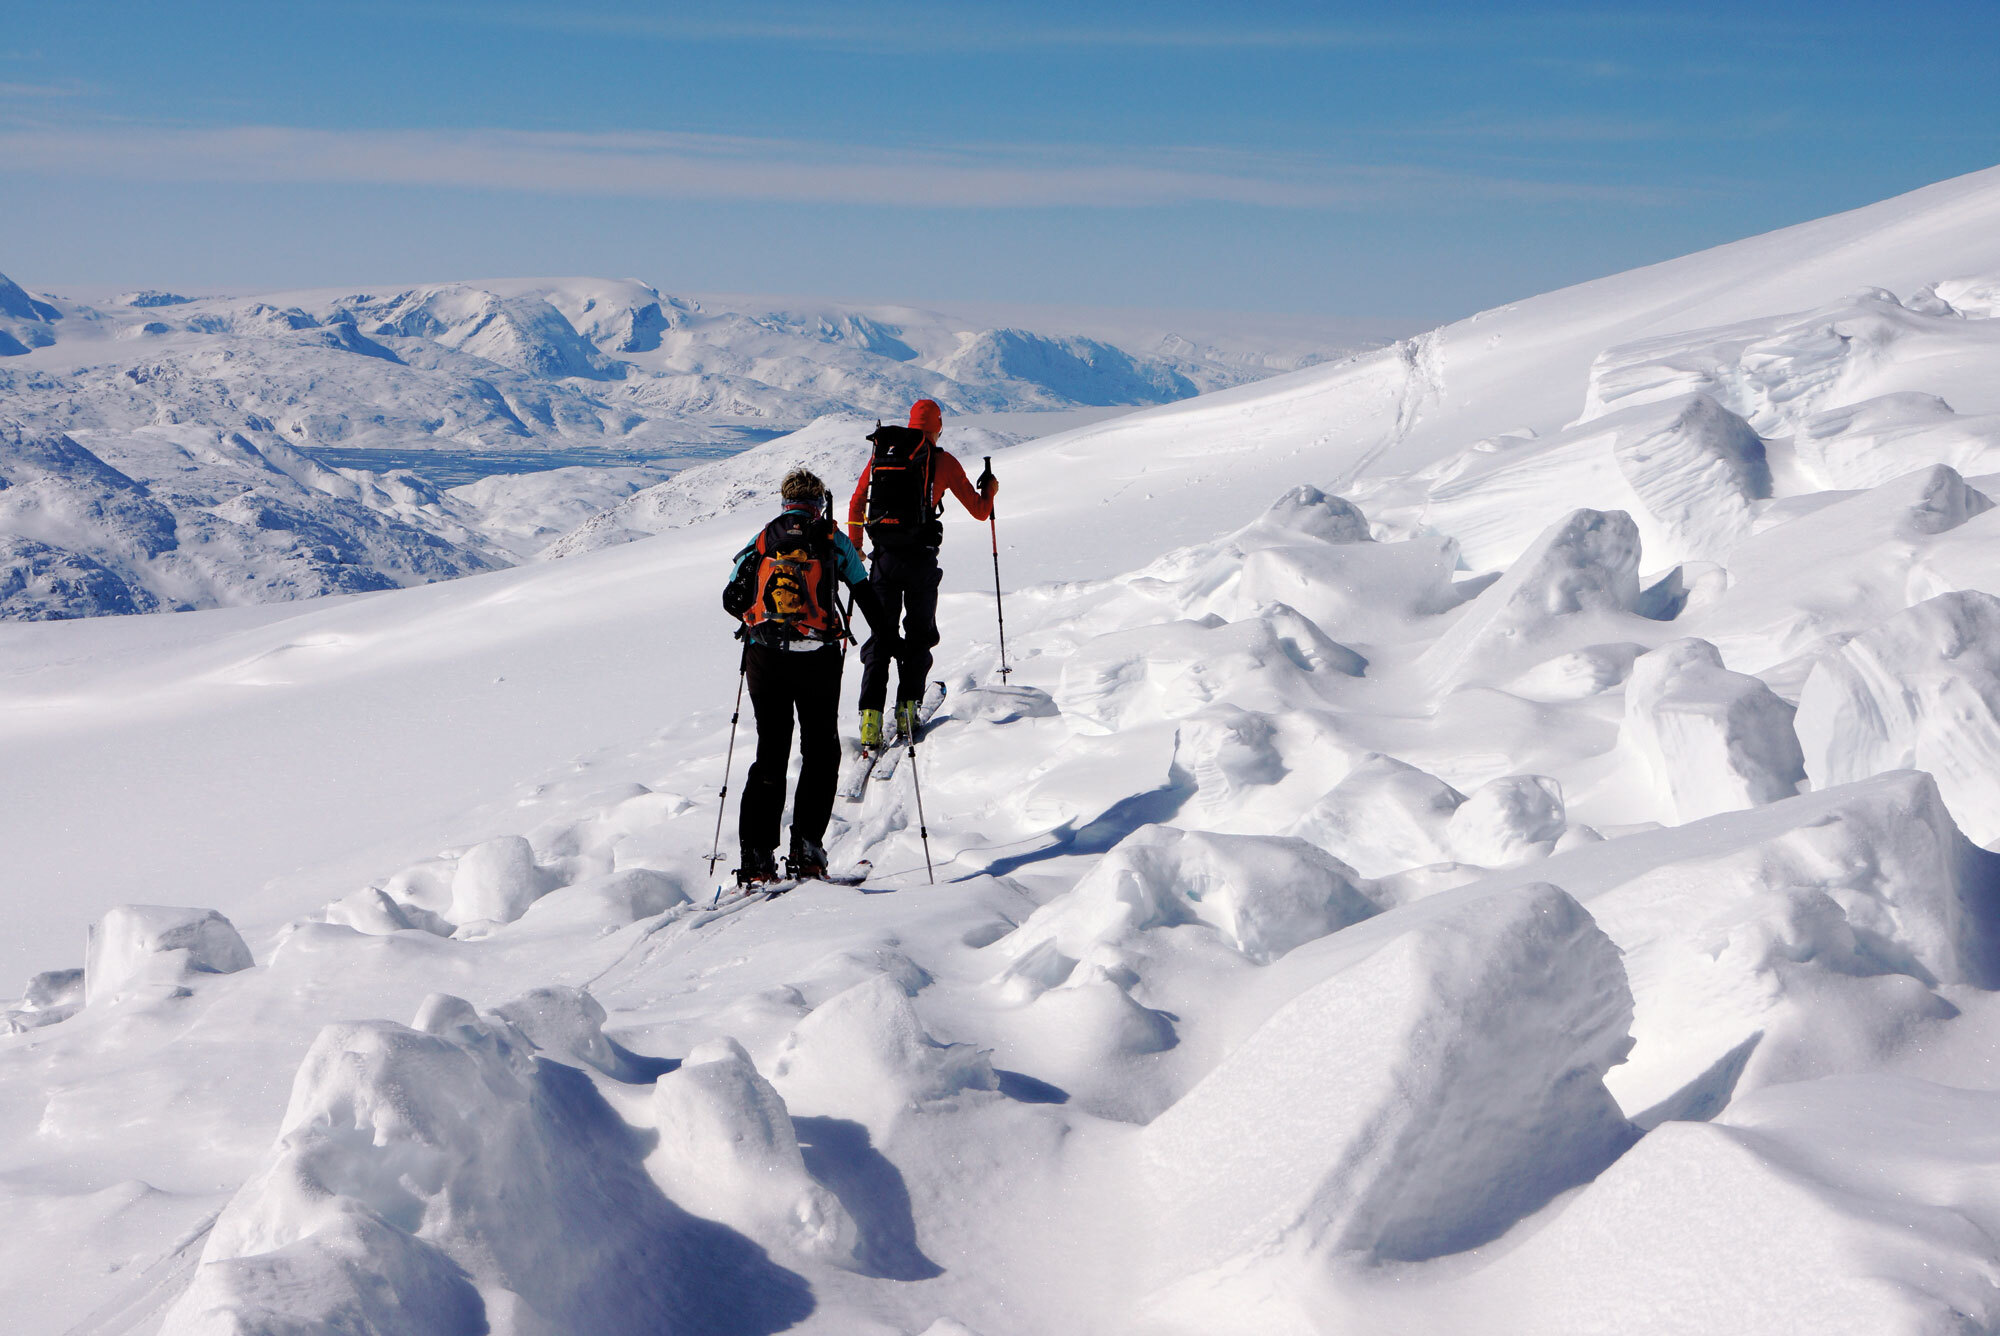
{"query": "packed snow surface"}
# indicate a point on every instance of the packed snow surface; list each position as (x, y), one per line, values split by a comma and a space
(1492, 835)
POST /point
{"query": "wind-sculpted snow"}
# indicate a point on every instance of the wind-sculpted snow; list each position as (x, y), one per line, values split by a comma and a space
(1804, 938)
(139, 947)
(1578, 583)
(1263, 895)
(1455, 1085)
(1713, 740)
(421, 1180)
(1445, 857)
(1687, 470)
(1923, 690)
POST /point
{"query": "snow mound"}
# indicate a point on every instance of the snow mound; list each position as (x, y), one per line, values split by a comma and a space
(1977, 298)
(1779, 372)
(1454, 1084)
(1270, 661)
(1579, 674)
(51, 996)
(496, 881)
(1577, 582)
(147, 948)
(1809, 580)
(1263, 895)
(1507, 822)
(1922, 689)
(422, 1182)
(1796, 940)
(864, 1054)
(1385, 816)
(1713, 740)
(1841, 1187)
(728, 1152)
(565, 1023)
(1687, 470)
(1311, 553)
(1869, 443)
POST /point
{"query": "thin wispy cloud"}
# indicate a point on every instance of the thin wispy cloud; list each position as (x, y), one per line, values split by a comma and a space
(687, 166)
(42, 90)
(973, 31)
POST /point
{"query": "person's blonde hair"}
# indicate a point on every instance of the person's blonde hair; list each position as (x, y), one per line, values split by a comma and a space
(802, 485)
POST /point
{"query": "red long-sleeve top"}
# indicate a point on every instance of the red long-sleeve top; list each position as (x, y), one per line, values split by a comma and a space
(948, 475)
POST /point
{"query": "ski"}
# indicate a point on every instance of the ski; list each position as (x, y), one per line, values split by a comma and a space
(771, 890)
(854, 773)
(873, 763)
(885, 766)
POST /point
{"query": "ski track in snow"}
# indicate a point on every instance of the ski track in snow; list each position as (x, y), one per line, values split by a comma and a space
(1492, 836)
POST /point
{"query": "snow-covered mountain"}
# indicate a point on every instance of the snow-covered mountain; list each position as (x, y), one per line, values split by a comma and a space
(1496, 835)
(211, 414)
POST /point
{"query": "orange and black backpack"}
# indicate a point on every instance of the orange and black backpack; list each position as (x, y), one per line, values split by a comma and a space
(785, 590)
(900, 483)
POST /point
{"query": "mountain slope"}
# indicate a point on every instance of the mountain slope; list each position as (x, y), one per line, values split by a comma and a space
(1515, 842)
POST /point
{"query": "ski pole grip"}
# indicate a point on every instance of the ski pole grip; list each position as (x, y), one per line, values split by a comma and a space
(986, 477)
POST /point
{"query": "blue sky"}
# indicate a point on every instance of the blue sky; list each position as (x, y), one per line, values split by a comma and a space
(1416, 162)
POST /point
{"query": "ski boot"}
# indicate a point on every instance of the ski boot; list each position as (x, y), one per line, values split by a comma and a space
(906, 720)
(759, 866)
(807, 860)
(871, 729)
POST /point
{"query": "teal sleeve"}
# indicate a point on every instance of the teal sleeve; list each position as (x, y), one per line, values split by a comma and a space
(848, 560)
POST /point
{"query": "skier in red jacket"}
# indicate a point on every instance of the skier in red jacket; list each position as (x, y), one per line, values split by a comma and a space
(898, 503)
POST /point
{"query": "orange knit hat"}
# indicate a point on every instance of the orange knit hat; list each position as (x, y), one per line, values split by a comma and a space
(925, 415)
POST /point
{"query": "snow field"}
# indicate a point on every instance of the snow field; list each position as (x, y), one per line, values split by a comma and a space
(1344, 922)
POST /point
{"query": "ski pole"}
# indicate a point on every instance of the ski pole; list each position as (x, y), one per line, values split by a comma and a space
(923, 831)
(999, 608)
(722, 802)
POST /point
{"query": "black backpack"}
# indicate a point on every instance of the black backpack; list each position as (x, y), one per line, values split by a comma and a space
(900, 482)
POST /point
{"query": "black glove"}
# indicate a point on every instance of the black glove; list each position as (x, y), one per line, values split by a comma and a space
(986, 481)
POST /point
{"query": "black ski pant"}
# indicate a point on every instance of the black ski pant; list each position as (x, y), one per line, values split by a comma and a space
(783, 684)
(905, 579)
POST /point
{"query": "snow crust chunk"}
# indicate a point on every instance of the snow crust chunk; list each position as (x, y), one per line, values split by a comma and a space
(1923, 690)
(1385, 816)
(1271, 660)
(864, 1054)
(1557, 595)
(728, 1151)
(429, 1181)
(1686, 469)
(137, 947)
(1310, 552)
(1509, 821)
(1714, 740)
(1791, 941)
(1263, 894)
(497, 881)
(1411, 1103)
